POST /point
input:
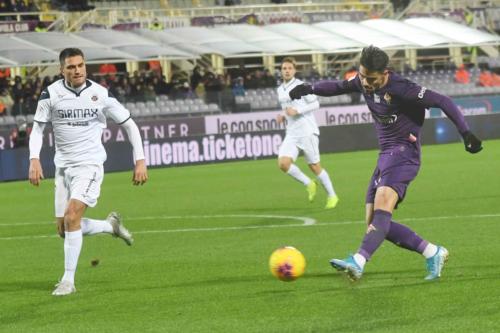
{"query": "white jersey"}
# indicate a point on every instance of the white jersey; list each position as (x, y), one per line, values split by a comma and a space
(78, 119)
(303, 124)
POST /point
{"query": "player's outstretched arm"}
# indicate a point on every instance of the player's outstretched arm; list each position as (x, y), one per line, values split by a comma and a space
(326, 88)
(433, 99)
(36, 139)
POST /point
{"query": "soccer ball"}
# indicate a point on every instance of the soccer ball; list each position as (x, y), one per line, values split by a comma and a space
(287, 263)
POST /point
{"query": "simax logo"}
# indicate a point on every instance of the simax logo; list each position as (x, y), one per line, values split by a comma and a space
(94, 98)
(422, 92)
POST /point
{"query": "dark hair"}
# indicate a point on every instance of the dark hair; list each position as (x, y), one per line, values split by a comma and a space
(374, 59)
(290, 60)
(69, 52)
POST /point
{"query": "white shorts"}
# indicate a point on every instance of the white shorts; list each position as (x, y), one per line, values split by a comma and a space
(81, 182)
(308, 144)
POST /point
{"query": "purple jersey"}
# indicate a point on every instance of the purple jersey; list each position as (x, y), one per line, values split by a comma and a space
(398, 108)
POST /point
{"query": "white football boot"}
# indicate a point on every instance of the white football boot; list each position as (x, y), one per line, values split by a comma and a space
(119, 229)
(64, 288)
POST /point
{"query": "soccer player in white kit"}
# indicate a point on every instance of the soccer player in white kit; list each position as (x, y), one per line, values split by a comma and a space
(301, 133)
(77, 109)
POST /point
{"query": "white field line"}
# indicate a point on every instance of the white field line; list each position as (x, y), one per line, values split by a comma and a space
(306, 222)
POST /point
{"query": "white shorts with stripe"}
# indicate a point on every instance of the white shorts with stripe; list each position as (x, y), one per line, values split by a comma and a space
(81, 182)
(308, 144)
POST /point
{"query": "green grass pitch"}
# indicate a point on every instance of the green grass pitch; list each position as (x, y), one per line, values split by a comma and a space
(203, 236)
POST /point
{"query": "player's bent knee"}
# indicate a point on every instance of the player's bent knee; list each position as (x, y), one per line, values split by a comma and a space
(71, 219)
(284, 165)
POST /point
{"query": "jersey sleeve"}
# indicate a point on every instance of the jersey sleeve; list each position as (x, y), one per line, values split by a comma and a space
(306, 104)
(334, 88)
(115, 110)
(42, 114)
(413, 92)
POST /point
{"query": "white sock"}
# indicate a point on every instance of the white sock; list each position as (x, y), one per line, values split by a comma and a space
(92, 227)
(360, 260)
(295, 172)
(430, 250)
(72, 247)
(326, 182)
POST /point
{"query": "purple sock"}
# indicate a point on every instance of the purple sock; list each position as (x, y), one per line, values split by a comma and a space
(378, 230)
(406, 238)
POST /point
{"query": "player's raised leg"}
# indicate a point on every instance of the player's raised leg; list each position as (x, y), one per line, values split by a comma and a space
(113, 225)
(435, 256)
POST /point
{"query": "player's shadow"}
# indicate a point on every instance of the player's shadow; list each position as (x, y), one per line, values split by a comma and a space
(16, 286)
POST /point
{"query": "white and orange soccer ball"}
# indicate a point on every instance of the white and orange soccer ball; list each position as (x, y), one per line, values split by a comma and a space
(287, 263)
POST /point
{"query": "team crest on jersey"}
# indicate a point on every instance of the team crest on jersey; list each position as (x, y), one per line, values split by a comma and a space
(387, 98)
(94, 98)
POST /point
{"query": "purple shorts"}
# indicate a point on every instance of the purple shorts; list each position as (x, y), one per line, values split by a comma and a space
(396, 168)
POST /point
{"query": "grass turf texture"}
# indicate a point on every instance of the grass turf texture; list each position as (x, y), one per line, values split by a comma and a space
(194, 268)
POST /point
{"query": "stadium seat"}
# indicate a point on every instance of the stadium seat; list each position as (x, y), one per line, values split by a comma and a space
(20, 119)
(195, 108)
(204, 108)
(213, 107)
(9, 120)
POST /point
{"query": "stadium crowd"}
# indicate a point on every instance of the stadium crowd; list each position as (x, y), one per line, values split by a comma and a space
(20, 97)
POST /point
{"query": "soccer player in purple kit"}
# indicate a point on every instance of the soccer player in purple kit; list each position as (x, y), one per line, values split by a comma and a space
(398, 108)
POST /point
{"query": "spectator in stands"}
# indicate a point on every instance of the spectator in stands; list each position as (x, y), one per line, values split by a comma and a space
(46, 82)
(31, 6)
(212, 87)
(239, 72)
(156, 25)
(462, 75)
(496, 78)
(350, 73)
(4, 73)
(7, 101)
(196, 77)
(238, 87)
(5, 7)
(251, 82)
(18, 107)
(108, 69)
(149, 93)
(19, 136)
(230, 2)
(40, 27)
(268, 79)
(137, 92)
(485, 78)
(154, 66)
(17, 90)
(18, 6)
(31, 102)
